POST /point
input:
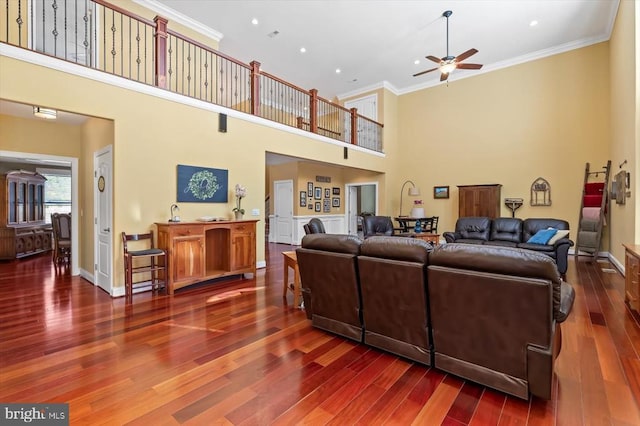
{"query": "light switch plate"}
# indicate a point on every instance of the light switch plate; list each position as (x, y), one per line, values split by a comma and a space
(255, 212)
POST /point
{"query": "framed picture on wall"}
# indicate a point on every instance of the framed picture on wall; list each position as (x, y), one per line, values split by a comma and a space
(318, 194)
(310, 206)
(303, 198)
(327, 192)
(326, 207)
(335, 202)
(318, 206)
(440, 192)
(310, 189)
(336, 191)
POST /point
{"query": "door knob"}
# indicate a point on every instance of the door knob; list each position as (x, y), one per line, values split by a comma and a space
(107, 229)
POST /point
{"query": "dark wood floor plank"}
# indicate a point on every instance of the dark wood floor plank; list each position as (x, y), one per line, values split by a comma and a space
(234, 352)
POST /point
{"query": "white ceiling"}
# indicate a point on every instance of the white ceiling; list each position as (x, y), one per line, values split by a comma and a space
(374, 42)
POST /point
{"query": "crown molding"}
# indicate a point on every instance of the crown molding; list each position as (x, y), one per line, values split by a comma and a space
(174, 15)
(380, 85)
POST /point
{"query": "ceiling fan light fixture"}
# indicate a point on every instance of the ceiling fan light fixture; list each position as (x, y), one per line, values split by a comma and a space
(447, 67)
(46, 113)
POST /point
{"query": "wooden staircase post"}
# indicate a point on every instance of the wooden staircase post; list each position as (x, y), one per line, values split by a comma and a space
(161, 51)
(255, 87)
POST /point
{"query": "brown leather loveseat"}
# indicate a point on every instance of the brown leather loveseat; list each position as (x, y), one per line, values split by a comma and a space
(486, 313)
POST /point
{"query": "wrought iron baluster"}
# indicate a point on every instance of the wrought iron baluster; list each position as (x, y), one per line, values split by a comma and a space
(54, 6)
(121, 45)
(113, 41)
(206, 75)
(189, 69)
(65, 29)
(138, 51)
(170, 72)
(44, 27)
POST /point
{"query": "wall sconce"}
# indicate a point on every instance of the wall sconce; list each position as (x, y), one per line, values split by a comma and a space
(46, 113)
(413, 192)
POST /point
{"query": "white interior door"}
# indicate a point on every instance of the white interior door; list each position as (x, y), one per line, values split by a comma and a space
(283, 206)
(352, 210)
(103, 187)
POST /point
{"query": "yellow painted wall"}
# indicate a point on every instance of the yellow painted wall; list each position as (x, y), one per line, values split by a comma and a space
(624, 113)
(152, 136)
(544, 118)
(39, 137)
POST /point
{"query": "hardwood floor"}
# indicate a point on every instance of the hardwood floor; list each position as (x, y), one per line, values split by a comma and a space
(236, 353)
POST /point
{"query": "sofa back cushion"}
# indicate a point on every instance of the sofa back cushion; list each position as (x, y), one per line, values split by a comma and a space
(477, 228)
(506, 229)
(394, 296)
(329, 280)
(531, 226)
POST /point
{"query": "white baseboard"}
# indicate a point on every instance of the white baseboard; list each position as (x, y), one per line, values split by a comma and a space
(87, 276)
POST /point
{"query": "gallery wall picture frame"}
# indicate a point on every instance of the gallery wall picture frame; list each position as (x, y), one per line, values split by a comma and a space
(327, 192)
(318, 207)
(318, 193)
(310, 189)
(441, 192)
(335, 202)
(326, 205)
(336, 191)
(310, 205)
(202, 184)
(303, 198)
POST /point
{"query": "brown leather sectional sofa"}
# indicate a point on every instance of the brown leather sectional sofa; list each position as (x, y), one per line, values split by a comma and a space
(485, 313)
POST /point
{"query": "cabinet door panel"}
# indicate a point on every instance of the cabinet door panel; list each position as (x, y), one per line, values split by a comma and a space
(187, 258)
(243, 253)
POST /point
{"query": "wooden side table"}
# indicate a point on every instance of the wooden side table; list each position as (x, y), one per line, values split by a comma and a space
(291, 261)
(425, 236)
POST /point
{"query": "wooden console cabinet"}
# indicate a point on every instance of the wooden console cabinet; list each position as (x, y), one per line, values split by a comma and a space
(23, 230)
(632, 276)
(479, 200)
(200, 251)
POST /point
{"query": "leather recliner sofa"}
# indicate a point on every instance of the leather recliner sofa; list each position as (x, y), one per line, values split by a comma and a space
(512, 232)
(496, 314)
(488, 314)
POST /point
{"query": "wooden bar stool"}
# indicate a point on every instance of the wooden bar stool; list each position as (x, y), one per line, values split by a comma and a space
(291, 261)
(154, 262)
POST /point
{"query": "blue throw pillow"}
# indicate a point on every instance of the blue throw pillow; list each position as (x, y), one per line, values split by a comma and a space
(542, 236)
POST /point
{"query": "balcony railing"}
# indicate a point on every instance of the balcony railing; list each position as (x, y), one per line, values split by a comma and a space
(102, 36)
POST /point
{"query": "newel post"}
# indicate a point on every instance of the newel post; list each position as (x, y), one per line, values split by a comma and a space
(313, 110)
(161, 51)
(255, 87)
(354, 126)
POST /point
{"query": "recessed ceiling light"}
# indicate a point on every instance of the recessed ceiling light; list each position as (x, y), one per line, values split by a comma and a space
(254, 21)
(338, 70)
(302, 50)
(417, 61)
(533, 23)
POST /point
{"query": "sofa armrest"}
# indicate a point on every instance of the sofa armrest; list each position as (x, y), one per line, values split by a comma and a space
(451, 237)
(567, 296)
(561, 248)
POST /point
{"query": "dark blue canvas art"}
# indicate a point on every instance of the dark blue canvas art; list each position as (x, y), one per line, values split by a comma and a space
(202, 185)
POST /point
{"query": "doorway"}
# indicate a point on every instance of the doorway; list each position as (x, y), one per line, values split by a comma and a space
(103, 238)
(283, 210)
(362, 198)
(44, 160)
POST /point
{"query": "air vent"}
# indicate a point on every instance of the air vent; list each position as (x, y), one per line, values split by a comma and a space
(272, 34)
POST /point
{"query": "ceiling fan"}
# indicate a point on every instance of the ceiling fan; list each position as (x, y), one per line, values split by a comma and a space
(449, 63)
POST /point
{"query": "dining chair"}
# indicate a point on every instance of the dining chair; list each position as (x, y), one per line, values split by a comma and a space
(61, 224)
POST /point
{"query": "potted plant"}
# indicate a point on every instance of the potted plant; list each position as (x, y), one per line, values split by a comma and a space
(241, 192)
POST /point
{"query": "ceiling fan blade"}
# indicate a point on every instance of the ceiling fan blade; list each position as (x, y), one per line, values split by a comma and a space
(465, 55)
(424, 72)
(469, 66)
(444, 76)
(434, 59)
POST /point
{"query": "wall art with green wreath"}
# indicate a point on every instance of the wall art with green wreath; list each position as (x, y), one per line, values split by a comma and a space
(202, 185)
